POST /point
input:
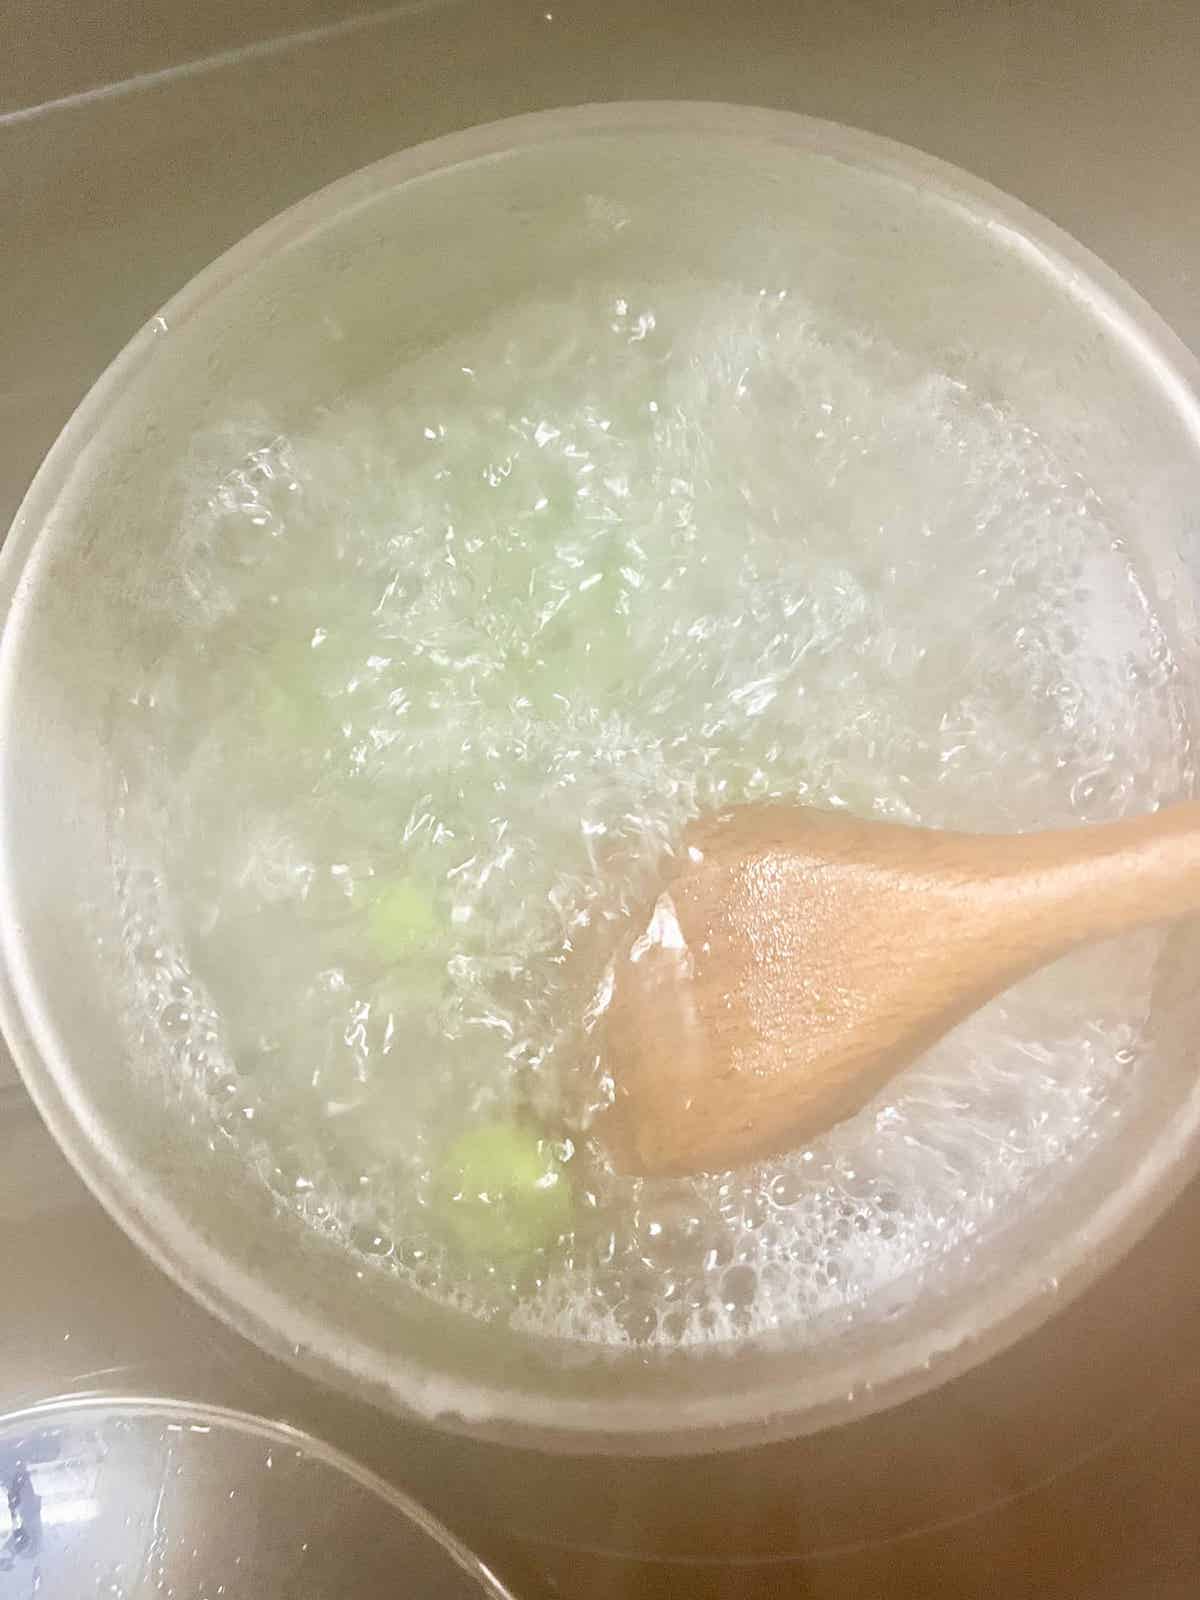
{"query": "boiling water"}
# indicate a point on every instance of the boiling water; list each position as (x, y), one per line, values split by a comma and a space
(493, 633)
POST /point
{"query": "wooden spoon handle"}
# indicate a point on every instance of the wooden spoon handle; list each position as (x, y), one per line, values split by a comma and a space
(1065, 888)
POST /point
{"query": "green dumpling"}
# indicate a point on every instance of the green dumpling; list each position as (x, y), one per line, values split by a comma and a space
(403, 919)
(503, 1193)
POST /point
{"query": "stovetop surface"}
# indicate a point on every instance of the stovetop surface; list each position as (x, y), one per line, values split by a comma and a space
(138, 142)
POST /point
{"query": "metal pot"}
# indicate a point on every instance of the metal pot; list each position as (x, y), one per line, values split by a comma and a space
(321, 300)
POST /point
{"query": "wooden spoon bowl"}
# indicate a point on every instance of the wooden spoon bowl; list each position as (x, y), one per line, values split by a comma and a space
(796, 959)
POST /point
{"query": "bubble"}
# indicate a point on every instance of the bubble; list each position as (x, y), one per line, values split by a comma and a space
(738, 1288)
(174, 1018)
(786, 1189)
(638, 1320)
(370, 1241)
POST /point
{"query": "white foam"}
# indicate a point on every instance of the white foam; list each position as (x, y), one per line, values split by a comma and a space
(501, 627)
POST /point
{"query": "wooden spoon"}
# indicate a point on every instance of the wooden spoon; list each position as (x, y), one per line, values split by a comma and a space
(797, 958)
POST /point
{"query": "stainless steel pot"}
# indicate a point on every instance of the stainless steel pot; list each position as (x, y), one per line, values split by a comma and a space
(322, 300)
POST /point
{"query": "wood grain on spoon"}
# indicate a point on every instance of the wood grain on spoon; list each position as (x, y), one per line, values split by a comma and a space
(796, 959)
